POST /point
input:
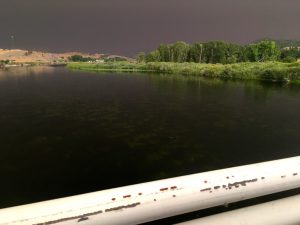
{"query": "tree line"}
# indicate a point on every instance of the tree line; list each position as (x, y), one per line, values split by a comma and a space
(220, 52)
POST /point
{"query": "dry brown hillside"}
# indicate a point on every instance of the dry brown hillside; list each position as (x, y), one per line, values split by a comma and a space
(25, 56)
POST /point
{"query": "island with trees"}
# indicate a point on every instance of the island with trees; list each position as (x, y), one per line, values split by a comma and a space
(266, 60)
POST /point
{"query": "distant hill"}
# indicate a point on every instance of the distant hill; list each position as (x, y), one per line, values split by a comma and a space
(26, 56)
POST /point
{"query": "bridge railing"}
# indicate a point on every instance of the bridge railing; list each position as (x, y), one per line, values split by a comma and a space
(155, 200)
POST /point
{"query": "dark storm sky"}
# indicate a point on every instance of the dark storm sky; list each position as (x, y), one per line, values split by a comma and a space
(128, 26)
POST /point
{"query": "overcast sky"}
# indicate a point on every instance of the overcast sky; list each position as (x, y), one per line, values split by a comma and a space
(129, 26)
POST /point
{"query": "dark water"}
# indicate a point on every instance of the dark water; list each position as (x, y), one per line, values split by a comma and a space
(64, 133)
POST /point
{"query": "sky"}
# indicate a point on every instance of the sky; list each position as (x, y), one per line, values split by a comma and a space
(129, 26)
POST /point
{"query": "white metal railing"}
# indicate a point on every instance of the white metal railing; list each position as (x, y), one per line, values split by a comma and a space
(280, 212)
(150, 201)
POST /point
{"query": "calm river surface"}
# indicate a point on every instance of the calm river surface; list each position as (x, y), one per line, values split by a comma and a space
(65, 132)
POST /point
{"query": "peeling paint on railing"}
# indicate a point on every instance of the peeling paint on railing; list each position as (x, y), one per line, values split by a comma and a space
(159, 199)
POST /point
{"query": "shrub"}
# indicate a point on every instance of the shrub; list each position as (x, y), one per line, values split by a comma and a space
(289, 59)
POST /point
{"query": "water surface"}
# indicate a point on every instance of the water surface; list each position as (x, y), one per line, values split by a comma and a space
(66, 132)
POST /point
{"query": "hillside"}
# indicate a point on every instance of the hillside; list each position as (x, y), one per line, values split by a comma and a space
(25, 56)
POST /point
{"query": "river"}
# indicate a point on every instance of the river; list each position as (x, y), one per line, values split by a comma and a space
(69, 132)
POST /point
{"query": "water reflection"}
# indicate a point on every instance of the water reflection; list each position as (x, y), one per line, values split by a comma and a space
(25, 71)
(64, 133)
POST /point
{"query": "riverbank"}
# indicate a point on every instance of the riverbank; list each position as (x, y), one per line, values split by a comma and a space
(6, 66)
(267, 71)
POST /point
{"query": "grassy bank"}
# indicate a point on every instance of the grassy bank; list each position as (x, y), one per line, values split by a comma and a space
(268, 71)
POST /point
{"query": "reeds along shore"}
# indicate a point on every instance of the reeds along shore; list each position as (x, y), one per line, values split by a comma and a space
(267, 71)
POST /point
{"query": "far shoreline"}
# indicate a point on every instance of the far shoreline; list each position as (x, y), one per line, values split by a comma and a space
(264, 71)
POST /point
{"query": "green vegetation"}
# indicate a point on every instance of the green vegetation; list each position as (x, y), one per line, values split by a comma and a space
(290, 54)
(115, 59)
(289, 59)
(214, 52)
(140, 57)
(261, 60)
(80, 58)
(3, 62)
(288, 43)
(267, 71)
(110, 66)
(221, 52)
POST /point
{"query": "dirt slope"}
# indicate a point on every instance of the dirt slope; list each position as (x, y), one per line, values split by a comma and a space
(25, 56)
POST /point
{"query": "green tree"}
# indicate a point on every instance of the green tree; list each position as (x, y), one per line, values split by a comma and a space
(76, 58)
(290, 52)
(289, 59)
(220, 52)
(153, 56)
(196, 53)
(179, 52)
(80, 58)
(242, 54)
(252, 53)
(215, 52)
(4, 61)
(263, 51)
(141, 57)
(164, 52)
(234, 53)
